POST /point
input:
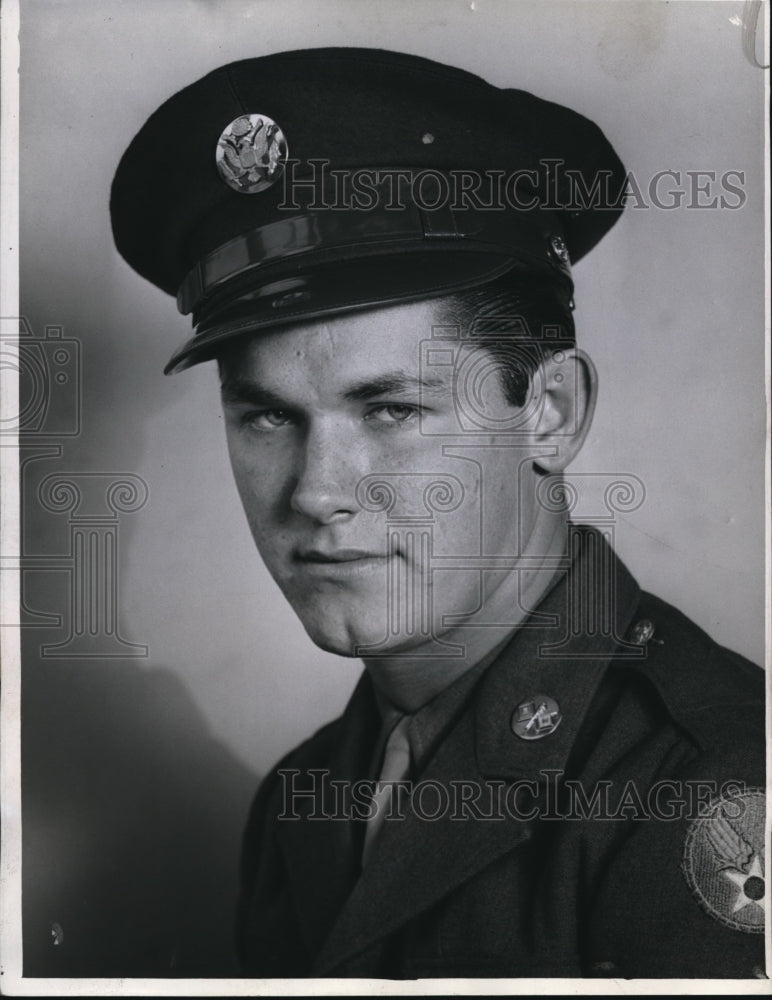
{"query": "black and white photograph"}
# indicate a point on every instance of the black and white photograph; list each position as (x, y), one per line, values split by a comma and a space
(385, 512)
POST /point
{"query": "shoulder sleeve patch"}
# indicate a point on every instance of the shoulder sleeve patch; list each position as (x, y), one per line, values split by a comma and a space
(723, 860)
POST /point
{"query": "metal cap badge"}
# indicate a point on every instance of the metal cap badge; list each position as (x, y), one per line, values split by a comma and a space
(251, 153)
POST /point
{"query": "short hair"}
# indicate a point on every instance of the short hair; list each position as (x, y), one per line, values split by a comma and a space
(519, 322)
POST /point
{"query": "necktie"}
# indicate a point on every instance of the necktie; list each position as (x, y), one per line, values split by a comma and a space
(396, 767)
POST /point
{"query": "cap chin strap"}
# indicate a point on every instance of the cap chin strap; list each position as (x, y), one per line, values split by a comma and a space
(340, 233)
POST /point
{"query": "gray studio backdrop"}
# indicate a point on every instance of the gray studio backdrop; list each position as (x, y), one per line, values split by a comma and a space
(151, 709)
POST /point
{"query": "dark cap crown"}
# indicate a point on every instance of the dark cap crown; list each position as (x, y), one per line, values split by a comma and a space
(179, 224)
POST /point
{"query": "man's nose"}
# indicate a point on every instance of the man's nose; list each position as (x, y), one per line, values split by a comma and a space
(325, 489)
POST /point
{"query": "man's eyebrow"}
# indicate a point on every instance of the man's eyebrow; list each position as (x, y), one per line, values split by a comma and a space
(391, 382)
(240, 390)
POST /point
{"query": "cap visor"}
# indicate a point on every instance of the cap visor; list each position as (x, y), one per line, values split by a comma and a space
(298, 294)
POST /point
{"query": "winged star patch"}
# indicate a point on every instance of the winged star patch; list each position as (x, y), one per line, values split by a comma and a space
(724, 860)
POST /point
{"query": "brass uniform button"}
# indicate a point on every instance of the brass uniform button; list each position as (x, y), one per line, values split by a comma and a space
(642, 632)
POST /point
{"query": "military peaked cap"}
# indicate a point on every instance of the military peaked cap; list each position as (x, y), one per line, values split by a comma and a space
(308, 183)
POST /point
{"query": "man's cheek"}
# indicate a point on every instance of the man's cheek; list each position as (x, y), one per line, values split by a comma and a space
(458, 532)
(259, 493)
(269, 543)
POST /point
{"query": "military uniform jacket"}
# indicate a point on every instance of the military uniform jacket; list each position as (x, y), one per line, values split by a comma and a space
(628, 841)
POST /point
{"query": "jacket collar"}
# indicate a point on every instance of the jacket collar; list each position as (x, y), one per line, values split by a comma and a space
(562, 651)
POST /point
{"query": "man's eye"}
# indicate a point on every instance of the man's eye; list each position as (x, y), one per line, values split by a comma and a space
(267, 419)
(392, 413)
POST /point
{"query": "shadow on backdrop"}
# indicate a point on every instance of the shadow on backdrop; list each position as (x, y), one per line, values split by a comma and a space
(132, 820)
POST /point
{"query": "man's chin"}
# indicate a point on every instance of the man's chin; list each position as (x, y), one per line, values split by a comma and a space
(351, 630)
(343, 638)
(359, 642)
(332, 644)
(351, 638)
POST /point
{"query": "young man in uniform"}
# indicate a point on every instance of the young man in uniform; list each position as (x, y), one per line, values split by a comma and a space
(543, 771)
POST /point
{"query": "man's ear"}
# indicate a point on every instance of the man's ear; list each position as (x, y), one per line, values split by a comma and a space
(568, 384)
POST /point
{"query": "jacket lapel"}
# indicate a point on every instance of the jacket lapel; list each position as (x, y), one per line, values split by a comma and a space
(562, 652)
(417, 861)
(322, 855)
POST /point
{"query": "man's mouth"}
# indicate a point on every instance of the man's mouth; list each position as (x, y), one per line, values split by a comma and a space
(336, 555)
(340, 563)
